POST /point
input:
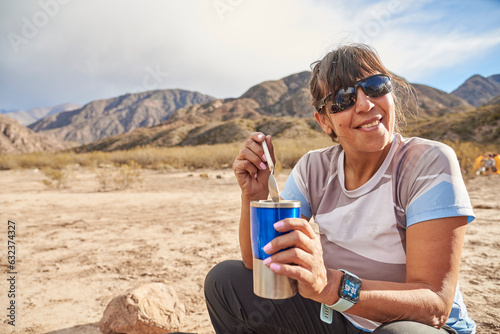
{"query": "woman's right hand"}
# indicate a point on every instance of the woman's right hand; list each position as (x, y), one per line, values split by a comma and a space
(251, 169)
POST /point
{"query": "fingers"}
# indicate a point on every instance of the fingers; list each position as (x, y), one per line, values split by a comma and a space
(251, 164)
(297, 272)
(297, 254)
(312, 281)
(292, 257)
(251, 158)
(298, 224)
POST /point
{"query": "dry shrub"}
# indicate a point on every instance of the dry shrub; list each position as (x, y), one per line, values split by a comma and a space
(202, 156)
(128, 175)
(91, 159)
(288, 152)
(8, 162)
(124, 177)
(40, 160)
(56, 178)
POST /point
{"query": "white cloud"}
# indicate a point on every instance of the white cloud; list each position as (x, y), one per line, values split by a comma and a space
(96, 49)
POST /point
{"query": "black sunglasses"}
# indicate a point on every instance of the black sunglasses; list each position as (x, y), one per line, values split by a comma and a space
(373, 86)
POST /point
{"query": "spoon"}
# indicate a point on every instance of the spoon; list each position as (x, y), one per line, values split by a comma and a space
(271, 183)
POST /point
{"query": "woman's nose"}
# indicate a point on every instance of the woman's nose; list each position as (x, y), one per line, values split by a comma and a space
(363, 102)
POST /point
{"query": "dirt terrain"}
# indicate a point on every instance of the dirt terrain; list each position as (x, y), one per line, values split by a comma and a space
(77, 248)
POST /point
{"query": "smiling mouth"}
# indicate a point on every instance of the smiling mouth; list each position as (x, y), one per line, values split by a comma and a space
(369, 125)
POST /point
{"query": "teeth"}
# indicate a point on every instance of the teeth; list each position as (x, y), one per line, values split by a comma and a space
(370, 124)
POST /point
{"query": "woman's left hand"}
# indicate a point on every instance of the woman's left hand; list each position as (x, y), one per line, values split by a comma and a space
(303, 260)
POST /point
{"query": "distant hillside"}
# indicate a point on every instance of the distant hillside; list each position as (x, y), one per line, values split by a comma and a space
(33, 115)
(435, 102)
(16, 138)
(180, 133)
(290, 97)
(480, 125)
(286, 97)
(279, 108)
(104, 118)
(478, 90)
(179, 118)
(495, 100)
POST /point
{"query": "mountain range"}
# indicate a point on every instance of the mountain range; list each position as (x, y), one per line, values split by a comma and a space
(33, 115)
(104, 118)
(478, 90)
(277, 107)
(16, 138)
(281, 108)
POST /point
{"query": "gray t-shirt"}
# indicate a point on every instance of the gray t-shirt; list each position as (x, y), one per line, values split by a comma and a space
(364, 230)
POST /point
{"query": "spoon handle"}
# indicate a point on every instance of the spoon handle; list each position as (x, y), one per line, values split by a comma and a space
(268, 157)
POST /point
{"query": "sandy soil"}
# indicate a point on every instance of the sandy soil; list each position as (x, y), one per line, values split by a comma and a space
(77, 248)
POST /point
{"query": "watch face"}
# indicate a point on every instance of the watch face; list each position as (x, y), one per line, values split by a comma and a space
(349, 288)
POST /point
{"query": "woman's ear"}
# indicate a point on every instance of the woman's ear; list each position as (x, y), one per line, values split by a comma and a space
(323, 122)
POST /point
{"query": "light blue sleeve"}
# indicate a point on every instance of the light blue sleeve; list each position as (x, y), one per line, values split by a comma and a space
(292, 192)
(441, 201)
(440, 189)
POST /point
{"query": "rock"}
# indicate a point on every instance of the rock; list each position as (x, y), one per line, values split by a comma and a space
(151, 308)
(16, 138)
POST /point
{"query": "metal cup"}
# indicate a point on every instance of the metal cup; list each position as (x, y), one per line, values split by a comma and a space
(263, 215)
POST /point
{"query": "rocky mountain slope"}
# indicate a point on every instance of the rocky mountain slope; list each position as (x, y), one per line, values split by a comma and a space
(16, 138)
(435, 102)
(480, 125)
(276, 98)
(181, 133)
(33, 115)
(290, 97)
(104, 118)
(280, 108)
(478, 90)
(277, 107)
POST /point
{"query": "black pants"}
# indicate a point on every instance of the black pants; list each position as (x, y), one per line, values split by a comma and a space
(234, 308)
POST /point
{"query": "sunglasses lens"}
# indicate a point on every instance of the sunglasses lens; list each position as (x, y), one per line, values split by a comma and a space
(344, 99)
(374, 86)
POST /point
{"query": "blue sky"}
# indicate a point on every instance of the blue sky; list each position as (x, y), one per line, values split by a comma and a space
(57, 51)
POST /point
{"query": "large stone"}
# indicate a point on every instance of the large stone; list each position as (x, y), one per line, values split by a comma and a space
(151, 308)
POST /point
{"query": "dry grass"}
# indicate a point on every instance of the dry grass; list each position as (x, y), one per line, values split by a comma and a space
(56, 178)
(188, 157)
(288, 152)
(124, 177)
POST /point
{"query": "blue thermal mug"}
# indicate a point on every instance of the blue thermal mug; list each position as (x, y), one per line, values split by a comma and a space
(263, 215)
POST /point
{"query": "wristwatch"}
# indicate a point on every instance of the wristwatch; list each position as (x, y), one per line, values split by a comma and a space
(349, 289)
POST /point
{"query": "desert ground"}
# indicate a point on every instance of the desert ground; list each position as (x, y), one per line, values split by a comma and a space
(77, 247)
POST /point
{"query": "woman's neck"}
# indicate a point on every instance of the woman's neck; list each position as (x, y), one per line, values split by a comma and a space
(360, 167)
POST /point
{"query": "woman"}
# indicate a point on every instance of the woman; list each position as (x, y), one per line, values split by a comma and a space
(392, 214)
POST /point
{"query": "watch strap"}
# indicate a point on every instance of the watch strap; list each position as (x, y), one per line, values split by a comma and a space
(341, 305)
(326, 314)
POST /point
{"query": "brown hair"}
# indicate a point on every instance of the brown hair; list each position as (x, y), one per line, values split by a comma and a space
(346, 64)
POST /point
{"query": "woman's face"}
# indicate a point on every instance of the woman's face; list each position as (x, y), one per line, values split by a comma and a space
(366, 127)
